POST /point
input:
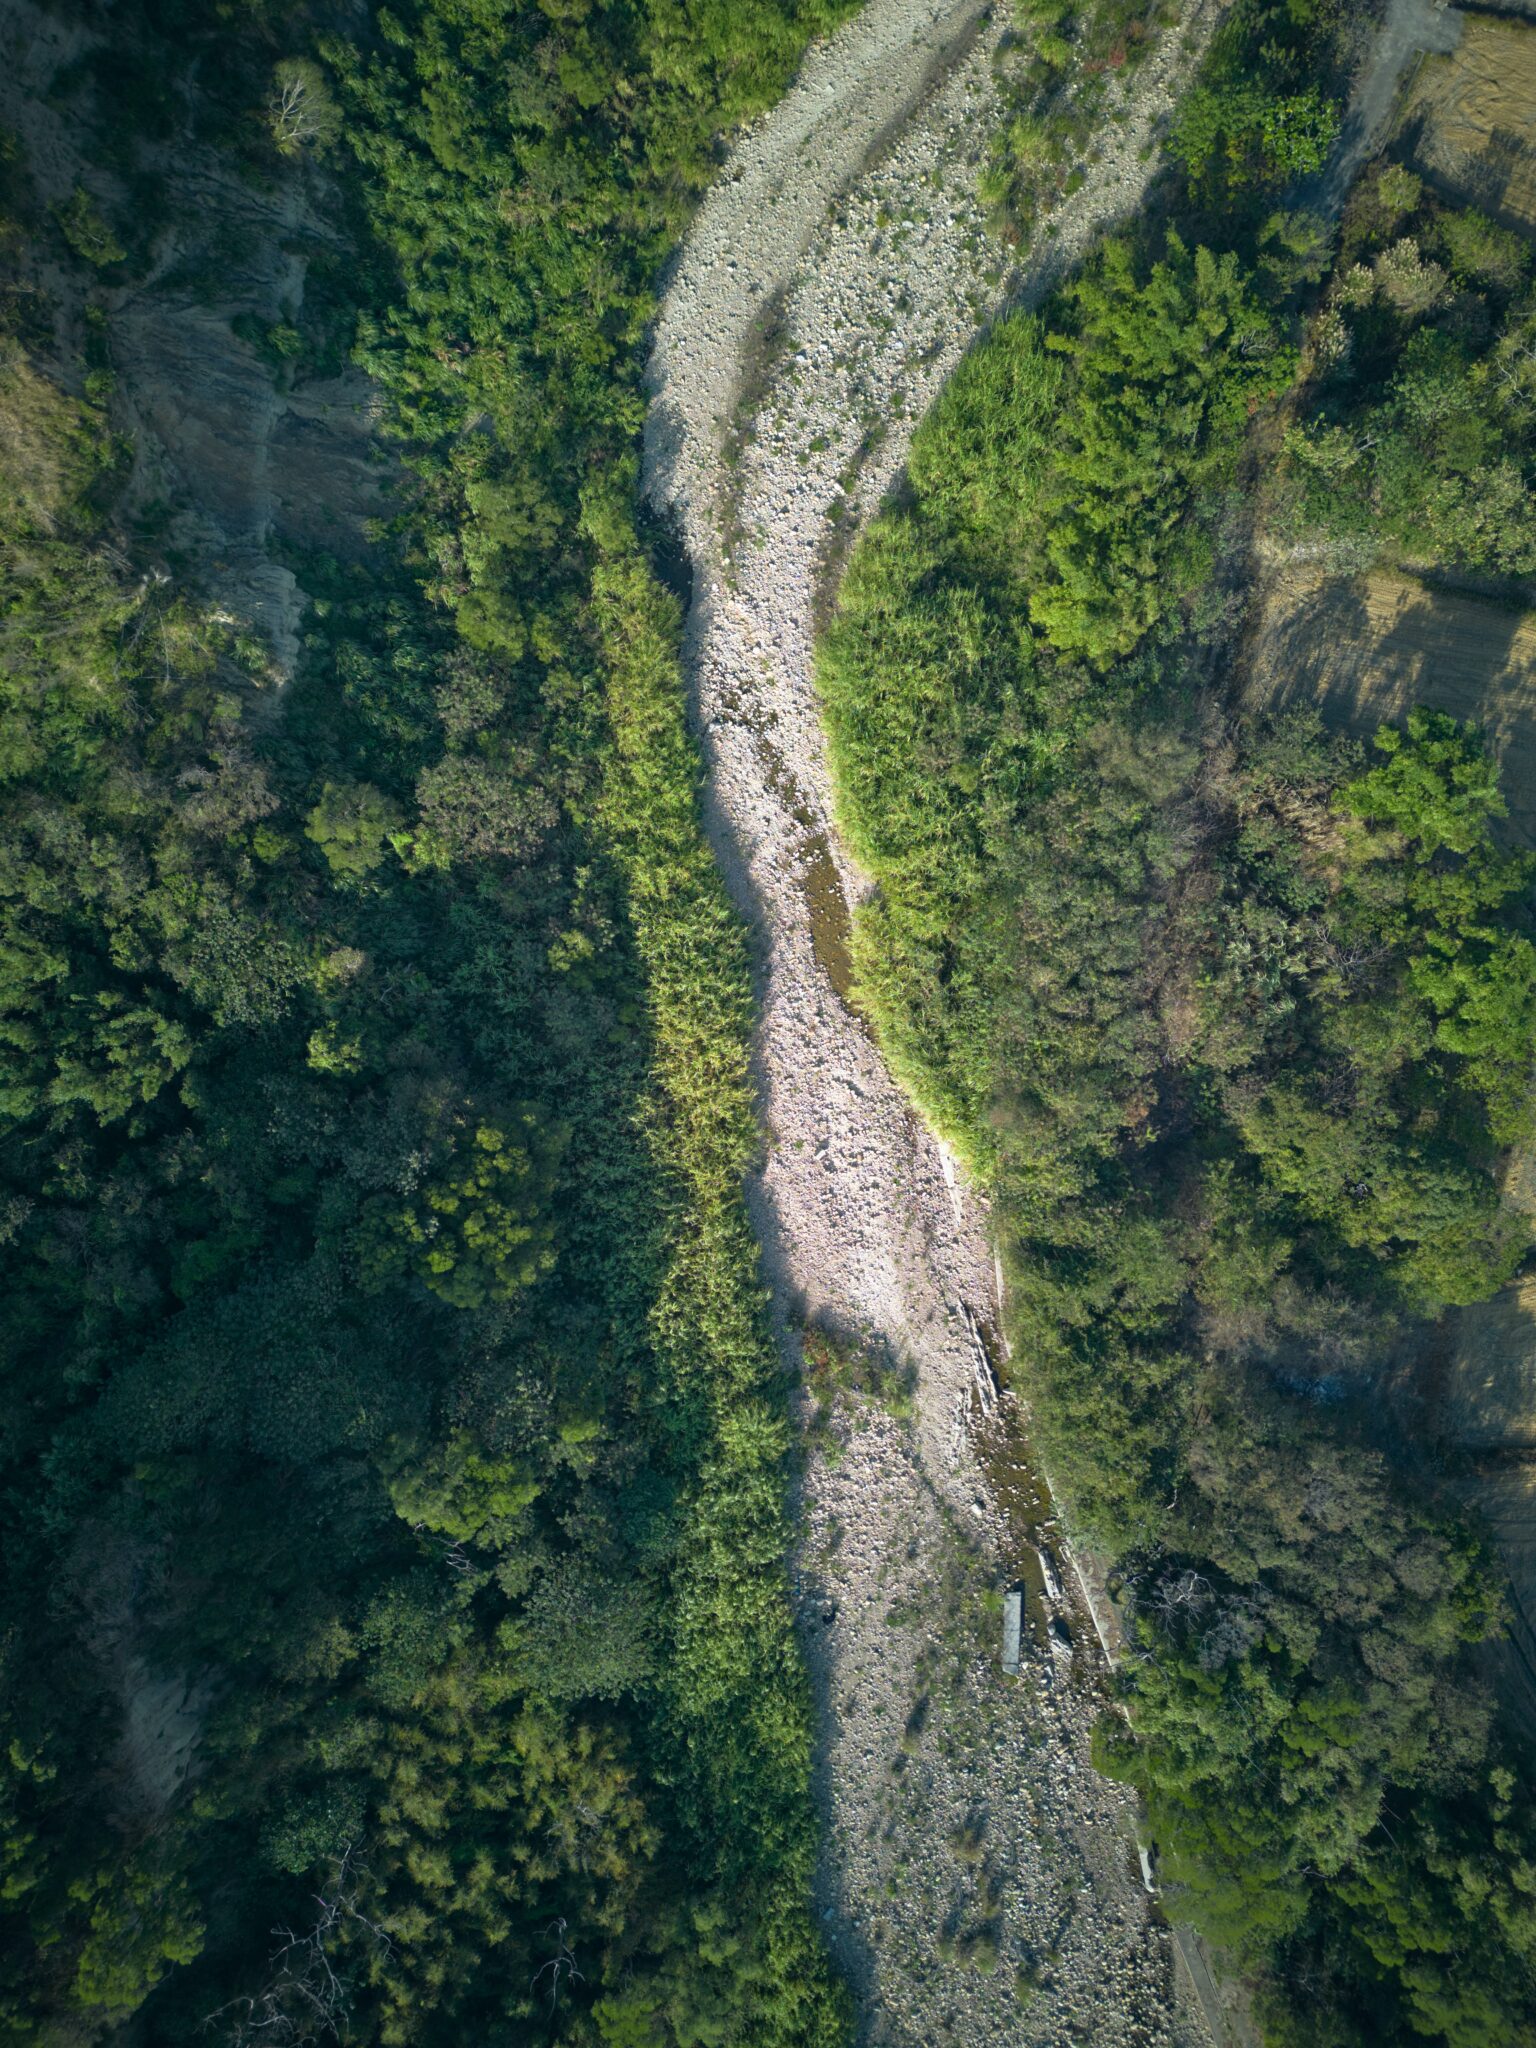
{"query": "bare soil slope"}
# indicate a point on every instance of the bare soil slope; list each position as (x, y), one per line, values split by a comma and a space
(1469, 119)
(254, 459)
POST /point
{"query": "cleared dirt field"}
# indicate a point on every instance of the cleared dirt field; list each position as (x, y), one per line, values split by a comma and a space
(1367, 649)
(1470, 119)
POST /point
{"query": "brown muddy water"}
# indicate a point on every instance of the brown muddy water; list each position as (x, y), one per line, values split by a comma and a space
(1007, 1457)
(831, 923)
(821, 885)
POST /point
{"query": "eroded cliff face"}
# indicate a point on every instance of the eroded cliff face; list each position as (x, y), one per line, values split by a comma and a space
(253, 441)
(250, 447)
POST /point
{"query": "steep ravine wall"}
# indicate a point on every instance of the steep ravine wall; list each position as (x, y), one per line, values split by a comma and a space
(254, 459)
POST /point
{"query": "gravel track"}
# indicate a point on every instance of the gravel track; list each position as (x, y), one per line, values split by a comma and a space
(979, 1880)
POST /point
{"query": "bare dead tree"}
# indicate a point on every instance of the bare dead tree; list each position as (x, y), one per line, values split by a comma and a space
(1178, 1593)
(308, 1992)
(454, 1555)
(561, 1967)
(300, 111)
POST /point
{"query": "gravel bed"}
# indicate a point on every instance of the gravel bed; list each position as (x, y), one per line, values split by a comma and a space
(979, 1881)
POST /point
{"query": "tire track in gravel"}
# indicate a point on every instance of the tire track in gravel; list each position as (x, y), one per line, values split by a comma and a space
(978, 1879)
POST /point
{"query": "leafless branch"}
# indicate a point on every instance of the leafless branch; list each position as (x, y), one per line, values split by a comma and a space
(561, 1967)
(306, 1996)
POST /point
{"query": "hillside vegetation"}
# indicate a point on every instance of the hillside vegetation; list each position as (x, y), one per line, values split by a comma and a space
(386, 1375)
(1233, 1022)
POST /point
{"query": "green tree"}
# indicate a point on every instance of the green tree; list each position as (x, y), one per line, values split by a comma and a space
(1166, 372)
(480, 1229)
(351, 824)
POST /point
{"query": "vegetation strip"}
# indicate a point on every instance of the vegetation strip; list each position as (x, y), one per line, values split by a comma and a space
(1232, 1023)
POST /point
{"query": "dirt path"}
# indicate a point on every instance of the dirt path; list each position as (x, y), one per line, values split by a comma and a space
(979, 1882)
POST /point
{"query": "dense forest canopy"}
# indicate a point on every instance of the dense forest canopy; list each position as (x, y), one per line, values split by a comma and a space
(392, 1450)
(1233, 1020)
(389, 1422)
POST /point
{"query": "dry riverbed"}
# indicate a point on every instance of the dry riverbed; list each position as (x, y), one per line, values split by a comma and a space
(979, 1882)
